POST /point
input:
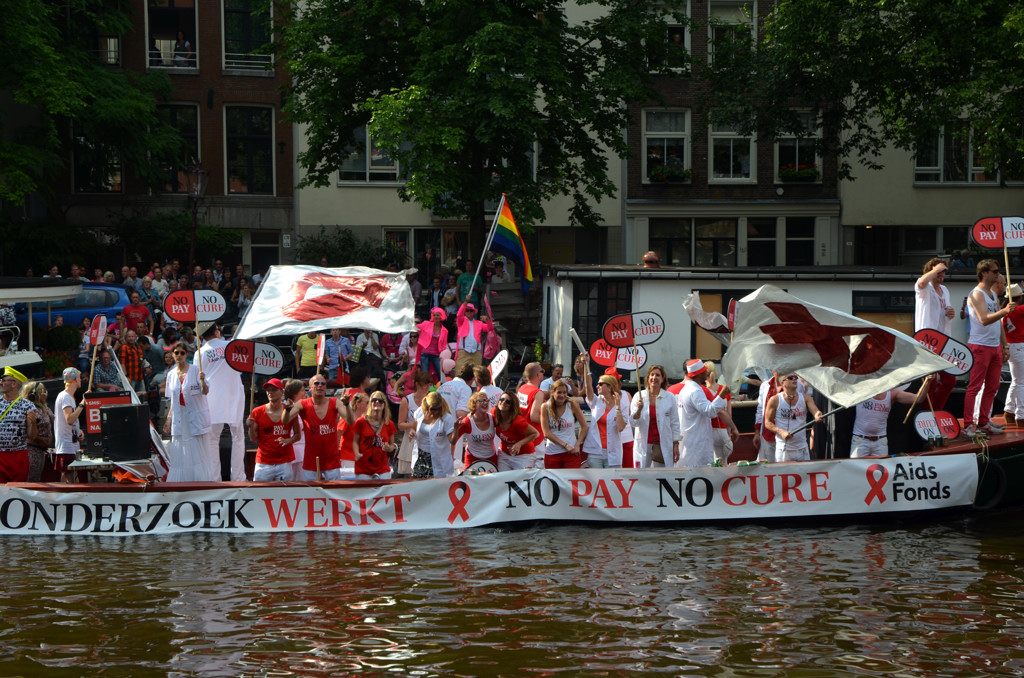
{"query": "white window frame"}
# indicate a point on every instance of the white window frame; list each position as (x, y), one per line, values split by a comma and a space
(717, 132)
(973, 170)
(685, 135)
(368, 168)
(735, 8)
(810, 138)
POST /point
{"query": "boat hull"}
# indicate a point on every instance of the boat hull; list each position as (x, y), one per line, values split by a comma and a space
(851, 489)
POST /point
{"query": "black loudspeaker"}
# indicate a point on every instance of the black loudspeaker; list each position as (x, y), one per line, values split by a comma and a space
(125, 432)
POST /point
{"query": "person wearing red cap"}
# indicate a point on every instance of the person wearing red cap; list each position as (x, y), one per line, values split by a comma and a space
(697, 446)
(470, 336)
(274, 437)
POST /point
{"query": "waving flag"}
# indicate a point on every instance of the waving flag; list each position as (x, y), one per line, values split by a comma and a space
(506, 239)
(711, 321)
(298, 299)
(846, 358)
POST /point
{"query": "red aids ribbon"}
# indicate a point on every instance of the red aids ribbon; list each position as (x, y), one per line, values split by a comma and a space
(459, 501)
(877, 483)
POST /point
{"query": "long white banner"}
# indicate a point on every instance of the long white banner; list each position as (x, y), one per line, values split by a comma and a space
(853, 487)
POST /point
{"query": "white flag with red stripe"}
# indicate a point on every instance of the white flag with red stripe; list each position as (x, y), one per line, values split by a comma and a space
(846, 358)
(298, 299)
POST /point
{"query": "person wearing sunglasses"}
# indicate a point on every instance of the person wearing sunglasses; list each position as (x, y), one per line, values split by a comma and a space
(189, 452)
(273, 436)
(603, 443)
(319, 416)
(373, 439)
(515, 433)
(785, 412)
(986, 341)
(353, 405)
(478, 430)
(435, 439)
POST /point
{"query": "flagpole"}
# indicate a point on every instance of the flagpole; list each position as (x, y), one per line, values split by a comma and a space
(487, 245)
(920, 392)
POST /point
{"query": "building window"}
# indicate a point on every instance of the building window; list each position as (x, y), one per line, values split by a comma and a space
(930, 240)
(97, 168)
(245, 33)
(797, 156)
(108, 49)
(250, 145)
(172, 34)
(367, 162)
(728, 20)
(665, 138)
(761, 237)
(673, 52)
(732, 155)
(800, 241)
(714, 242)
(184, 119)
(594, 301)
(671, 239)
(950, 157)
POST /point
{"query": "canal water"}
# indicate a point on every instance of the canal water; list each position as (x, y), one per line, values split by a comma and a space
(898, 599)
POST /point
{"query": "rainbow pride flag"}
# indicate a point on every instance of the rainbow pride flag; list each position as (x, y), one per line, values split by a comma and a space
(507, 240)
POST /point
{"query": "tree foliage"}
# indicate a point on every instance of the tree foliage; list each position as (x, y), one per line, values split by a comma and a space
(343, 248)
(58, 92)
(883, 72)
(463, 92)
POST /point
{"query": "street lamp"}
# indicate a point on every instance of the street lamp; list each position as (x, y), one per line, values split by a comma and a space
(197, 179)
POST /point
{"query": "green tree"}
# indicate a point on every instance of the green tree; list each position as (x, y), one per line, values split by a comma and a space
(474, 97)
(880, 73)
(343, 248)
(61, 98)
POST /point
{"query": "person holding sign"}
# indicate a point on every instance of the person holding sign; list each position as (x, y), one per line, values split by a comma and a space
(189, 423)
(985, 342)
(933, 311)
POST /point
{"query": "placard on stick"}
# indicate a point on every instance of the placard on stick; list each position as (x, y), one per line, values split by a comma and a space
(192, 306)
(254, 357)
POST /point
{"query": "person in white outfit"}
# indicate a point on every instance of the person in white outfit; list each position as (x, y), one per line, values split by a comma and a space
(697, 445)
(227, 406)
(784, 414)
(871, 423)
(608, 415)
(655, 420)
(189, 423)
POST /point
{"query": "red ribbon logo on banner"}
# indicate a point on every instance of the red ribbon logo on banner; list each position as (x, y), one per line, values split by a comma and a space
(877, 483)
(459, 501)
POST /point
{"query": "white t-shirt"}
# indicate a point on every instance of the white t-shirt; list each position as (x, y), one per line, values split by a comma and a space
(227, 395)
(432, 439)
(492, 392)
(985, 335)
(873, 416)
(65, 438)
(930, 309)
(456, 393)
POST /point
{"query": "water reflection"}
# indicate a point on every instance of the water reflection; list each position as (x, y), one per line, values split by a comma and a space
(939, 600)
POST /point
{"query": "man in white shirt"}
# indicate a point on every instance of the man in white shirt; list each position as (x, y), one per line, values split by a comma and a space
(226, 401)
(933, 311)
(457, 391)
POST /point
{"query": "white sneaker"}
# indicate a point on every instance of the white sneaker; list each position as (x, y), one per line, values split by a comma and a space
(969, 431)
(993, 428)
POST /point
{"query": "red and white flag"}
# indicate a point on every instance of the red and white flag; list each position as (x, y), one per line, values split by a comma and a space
(298, 299)
(846, 358)
(715, 323)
